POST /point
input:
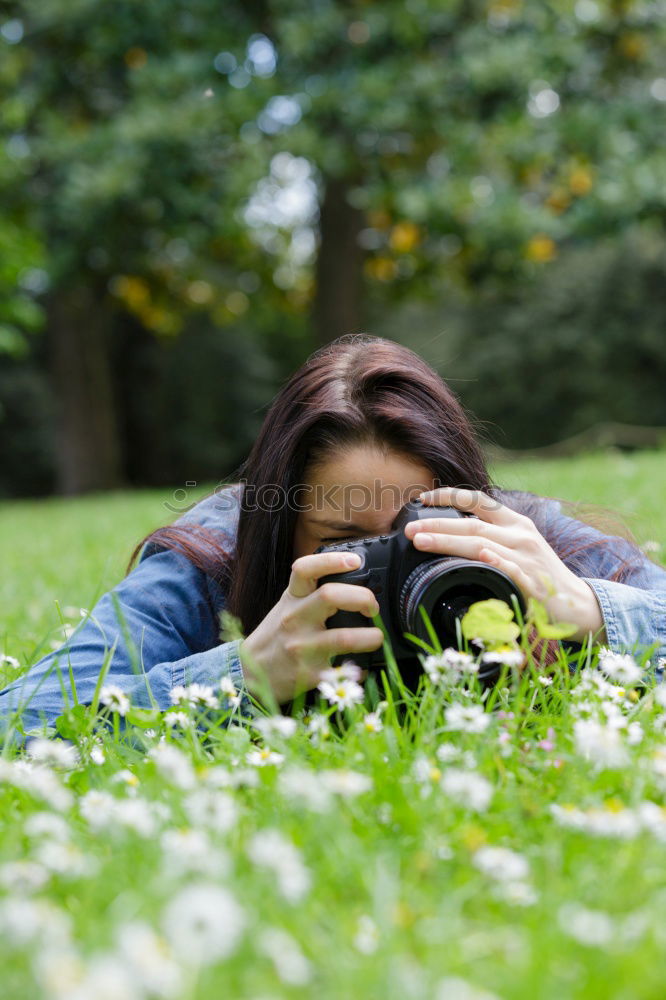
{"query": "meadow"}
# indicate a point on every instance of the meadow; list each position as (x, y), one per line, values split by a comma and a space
(457, 844)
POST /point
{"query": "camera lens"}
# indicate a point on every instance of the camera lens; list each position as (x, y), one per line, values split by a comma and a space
(445, 589)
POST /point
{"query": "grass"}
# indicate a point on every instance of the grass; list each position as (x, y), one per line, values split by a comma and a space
(630, 485)
(361, 863)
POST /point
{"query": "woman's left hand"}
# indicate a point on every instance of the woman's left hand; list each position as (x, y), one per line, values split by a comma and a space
(509, 542)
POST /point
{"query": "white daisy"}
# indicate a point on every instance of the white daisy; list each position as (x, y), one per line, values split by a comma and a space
(202, 696)
(466, 718)
(181, 719)
(197, 695)
(115, 699)
(619, 667)
(173, 765)
(230, 692)
(212, 809)
(347, 671)
(502, 864)
(21, 878)
(366, 939)
(449, 666)
(342, 693)
(291, 965)
(271, 849)
(271, 726)
(454, 988)
(149, 960)
(504, 657)
(589, 927)
(302, 785)
(318, 726)
(346, 783)
(55, 753)
(517, 893)
(203, 924)
(263, 757)
(372, 722)
(660, 695)
(600, 745)
(467, 788)
(178, 695)
(446, 752)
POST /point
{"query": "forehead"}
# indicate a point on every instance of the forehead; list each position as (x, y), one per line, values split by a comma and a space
(362, 465)
(363, 486)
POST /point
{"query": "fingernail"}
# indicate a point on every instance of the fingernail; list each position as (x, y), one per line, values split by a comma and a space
(352, 560)
(422, 539)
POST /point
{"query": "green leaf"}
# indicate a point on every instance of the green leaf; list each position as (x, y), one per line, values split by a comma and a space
(491, 621)
(144, 718)
(419, 642)
(13, 342)
(74, 722)
(538, 616)
(237, 738)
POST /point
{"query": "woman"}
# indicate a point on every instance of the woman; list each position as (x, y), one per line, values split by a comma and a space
(362, 427)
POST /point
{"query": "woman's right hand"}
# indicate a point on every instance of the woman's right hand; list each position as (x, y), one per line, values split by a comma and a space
(290, 648)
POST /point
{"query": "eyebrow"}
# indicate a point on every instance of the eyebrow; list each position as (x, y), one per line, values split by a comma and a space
(338, 525)
(343, 525)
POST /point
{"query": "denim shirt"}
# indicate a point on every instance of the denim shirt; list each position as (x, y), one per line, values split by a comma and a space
(169, 629)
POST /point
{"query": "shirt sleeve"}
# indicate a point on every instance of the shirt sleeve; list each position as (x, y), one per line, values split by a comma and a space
(634, 611)
(158, 628)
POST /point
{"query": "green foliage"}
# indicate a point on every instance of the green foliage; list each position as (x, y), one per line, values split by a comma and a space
(389, 811)
(337, 850)
(480, 137)
(490, 621)
(26, 428)
(489, 147)
(581, 346)
(20, 260)
(538, 616)
(495, 124)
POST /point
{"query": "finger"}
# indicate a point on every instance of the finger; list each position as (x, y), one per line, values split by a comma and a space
(512, 569)
(458, 545)
(333, 641)
(350, 640)
(467, 526)
(332, 597)
(472, 502)
(307, 570)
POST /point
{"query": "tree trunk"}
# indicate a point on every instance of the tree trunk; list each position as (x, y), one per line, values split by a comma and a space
(339, 273)
(88, 453)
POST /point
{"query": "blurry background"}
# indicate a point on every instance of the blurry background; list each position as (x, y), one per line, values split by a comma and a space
(195, 194)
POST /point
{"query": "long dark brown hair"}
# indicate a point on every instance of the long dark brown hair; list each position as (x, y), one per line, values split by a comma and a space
(357, 390)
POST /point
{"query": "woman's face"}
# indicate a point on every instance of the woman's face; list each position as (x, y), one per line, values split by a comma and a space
(356, 492)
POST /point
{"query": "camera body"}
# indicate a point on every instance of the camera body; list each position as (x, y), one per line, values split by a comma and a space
(404, 579)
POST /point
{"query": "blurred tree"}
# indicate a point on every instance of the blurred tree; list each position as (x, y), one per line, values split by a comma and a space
(297, 157)
(468, 140)
(602, 356)
(126, 172)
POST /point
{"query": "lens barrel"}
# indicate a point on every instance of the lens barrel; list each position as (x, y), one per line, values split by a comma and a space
(446, 588)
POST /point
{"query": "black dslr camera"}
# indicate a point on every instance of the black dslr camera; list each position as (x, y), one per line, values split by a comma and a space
(404, 579)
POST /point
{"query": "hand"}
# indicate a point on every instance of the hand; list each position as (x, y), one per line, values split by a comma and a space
(509, 542)
(290, 648)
